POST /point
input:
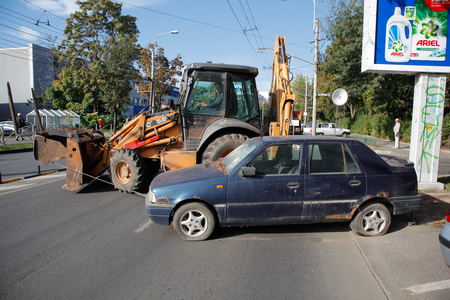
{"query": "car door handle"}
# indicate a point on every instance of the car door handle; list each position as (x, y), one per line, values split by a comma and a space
(293, 185)
(355, 182)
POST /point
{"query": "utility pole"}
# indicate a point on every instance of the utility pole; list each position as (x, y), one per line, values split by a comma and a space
(316, 71)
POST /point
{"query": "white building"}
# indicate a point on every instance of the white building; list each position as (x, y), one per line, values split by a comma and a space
(33, 67)
(24, 68)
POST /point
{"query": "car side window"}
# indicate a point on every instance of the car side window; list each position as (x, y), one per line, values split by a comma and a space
(331, 158)
(278, 159)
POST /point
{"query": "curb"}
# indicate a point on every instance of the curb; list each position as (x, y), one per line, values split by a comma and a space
(30, 176)
(16, 150)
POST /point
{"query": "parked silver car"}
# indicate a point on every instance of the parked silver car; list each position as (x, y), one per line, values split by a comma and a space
(327, 129)
(444, 239)
(8, 127)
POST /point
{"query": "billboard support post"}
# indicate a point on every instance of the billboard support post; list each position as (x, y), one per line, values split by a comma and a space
(426, 128)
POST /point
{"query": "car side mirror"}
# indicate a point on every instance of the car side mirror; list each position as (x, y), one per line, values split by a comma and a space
(247, 172)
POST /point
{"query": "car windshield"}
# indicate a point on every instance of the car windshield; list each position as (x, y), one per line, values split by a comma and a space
(231, 160)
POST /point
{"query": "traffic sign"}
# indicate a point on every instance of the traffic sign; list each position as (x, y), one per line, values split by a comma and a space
(323, 94)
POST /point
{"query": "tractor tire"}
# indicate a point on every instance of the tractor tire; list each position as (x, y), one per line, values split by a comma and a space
(128, 171)
(221, 146)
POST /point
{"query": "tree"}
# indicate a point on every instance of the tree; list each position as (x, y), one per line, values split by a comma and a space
(369, 94)
(165, 71)
(299, 86)
(96, 58)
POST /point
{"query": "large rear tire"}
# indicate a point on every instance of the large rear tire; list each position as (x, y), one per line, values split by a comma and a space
(128, 171)
(220, 147)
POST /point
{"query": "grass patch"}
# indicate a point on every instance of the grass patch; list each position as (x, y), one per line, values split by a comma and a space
(16, 146)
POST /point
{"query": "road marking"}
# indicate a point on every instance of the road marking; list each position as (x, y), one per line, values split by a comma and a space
(143, 226)
(29, 183)
(429, 287)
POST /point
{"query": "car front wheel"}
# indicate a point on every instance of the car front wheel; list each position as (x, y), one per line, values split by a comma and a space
(372, 220)
(194, 222)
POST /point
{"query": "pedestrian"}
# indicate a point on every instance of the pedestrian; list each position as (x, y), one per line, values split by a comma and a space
(397, 133)
(20, 124)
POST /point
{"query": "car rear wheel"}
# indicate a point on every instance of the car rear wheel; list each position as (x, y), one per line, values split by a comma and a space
(372, 220)
(194, 222)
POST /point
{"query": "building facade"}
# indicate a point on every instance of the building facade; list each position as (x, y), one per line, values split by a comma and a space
(24, 68)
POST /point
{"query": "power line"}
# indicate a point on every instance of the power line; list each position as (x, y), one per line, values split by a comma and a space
(28, 27)
(44, 9)
(245, 34)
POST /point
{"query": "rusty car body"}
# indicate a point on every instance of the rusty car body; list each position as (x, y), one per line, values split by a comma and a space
(286, 180)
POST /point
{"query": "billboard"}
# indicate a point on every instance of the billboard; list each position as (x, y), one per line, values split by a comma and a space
(406, 36)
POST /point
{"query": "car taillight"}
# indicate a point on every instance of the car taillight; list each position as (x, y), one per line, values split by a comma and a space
(448, 214)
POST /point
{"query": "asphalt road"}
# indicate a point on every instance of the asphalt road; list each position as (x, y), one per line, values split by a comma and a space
(99, 244)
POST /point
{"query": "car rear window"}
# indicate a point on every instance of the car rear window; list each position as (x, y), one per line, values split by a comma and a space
(331, 158)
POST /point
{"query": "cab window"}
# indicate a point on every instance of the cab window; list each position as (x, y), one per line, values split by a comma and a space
(207, 94)
(242, 97)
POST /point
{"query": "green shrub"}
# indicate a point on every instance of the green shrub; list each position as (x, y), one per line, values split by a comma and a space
(445, 130)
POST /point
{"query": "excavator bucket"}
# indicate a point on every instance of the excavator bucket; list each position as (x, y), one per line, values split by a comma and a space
(84, 150)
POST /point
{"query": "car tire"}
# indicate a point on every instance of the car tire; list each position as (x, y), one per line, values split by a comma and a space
(372, 220)
(128, 171)
(221, 146)
(344, 135)
(194, 222)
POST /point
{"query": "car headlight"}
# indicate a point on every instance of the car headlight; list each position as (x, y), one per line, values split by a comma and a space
(150, 198)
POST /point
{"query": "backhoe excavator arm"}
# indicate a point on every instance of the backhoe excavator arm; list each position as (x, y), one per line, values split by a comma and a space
(281, 97)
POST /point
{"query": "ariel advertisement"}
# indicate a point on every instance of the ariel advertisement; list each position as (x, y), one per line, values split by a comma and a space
(411, 33)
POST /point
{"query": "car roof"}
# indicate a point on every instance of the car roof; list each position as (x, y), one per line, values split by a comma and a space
(301, 138)
(222, 68)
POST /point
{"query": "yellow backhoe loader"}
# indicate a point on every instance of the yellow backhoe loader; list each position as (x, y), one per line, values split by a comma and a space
(218, 109)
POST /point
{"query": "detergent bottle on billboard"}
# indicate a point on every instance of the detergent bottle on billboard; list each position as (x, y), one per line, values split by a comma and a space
(398, 38)
(429, 35)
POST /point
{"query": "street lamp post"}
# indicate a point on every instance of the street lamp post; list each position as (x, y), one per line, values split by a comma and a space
(153, 68)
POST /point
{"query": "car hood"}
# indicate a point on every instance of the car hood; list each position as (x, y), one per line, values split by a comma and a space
(188, 174)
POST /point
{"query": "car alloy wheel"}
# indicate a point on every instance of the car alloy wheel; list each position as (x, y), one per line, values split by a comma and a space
(194, 222)
(372, 220)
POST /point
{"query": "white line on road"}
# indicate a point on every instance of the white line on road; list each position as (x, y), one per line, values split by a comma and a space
(7, 188)
(428, 287)
(143, 226)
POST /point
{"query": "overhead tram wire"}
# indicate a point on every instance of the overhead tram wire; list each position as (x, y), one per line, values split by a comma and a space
(31, 28)
(25, 16)
(194, 21)
(251, 46)
(260, 42)
(44, 10)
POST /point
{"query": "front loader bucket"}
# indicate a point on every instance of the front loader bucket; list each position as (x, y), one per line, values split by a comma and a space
(84, 151)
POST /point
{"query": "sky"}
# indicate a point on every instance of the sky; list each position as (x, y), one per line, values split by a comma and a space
(220, 31)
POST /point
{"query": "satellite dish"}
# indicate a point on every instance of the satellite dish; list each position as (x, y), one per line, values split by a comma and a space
(339, 97)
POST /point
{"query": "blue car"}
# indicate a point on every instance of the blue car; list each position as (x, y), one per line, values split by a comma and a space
(286, 180)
